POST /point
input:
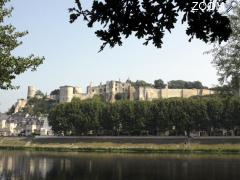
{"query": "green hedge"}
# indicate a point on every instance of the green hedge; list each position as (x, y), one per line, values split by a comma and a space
(175, 115)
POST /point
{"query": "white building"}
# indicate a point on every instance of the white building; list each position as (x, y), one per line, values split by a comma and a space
(45, 129)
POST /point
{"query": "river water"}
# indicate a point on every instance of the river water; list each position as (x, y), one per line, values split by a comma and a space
(105, 166)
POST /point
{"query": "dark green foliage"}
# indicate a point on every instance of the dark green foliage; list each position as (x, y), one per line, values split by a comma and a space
(159, 84)
(11, 66)
(121, 96)
(176, 115)
(39, 93)
(224, 90)
(180, 84)
(55, 92)
(141, 83)
(36, 106)
(150, 19)
(226, 57)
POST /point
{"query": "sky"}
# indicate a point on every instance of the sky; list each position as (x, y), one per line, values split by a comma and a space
(72, 58)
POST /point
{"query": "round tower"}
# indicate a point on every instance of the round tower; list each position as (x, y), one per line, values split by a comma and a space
(31, 92)
(66, 94)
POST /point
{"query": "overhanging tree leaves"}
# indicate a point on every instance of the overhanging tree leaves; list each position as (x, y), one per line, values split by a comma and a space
(226, 57)
(149, 19)
(10, 65)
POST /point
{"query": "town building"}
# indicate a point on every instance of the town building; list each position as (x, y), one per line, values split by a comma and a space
(20, 124)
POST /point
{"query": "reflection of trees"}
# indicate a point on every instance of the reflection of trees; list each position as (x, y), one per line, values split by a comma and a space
(18, 166)
(56, 166)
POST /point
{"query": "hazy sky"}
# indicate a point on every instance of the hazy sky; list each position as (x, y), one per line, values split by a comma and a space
(72, 59)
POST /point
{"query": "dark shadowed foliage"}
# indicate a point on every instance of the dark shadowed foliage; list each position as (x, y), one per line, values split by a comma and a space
(150, 19)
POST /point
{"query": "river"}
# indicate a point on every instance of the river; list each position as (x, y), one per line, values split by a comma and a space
(17, 165)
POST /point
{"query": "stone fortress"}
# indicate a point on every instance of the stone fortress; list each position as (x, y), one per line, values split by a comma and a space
(111, 89)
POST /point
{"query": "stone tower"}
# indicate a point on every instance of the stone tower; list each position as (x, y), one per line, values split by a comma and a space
(31, 92)
(66, 94)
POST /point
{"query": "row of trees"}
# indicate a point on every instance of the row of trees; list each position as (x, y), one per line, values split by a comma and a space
(174, 84)
(176, 115)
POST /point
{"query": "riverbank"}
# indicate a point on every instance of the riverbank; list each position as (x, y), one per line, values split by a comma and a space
(124, 144)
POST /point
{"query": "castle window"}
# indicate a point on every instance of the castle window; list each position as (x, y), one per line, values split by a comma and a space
(115, 89)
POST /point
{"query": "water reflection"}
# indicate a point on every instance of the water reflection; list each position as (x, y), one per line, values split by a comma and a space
(92, 166)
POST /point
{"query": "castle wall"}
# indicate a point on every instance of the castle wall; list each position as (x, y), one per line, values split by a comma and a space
(132, 93)
(152, 93)
(207, 92)
(148, 93)
(169, 93)
(190, 92)
(141, 93)
(184, 93)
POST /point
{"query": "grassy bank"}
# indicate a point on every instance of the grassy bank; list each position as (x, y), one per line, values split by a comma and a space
(31, 144)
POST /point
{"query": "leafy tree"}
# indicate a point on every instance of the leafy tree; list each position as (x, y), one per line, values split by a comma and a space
(176, 84)
(208, 114)
(127, 116)
(196, 115)
(10, 65)
(215, 110)
(194, 84)
(140, 117)
(141, 83)
(55, 92)
(112, 121)
(223, 90)
(59, 120)
(39, 93)
(180, 84)
(36, 106)
(177, 115)
(159, 84)
(150, 19)
(158, 119)
(226, 57)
